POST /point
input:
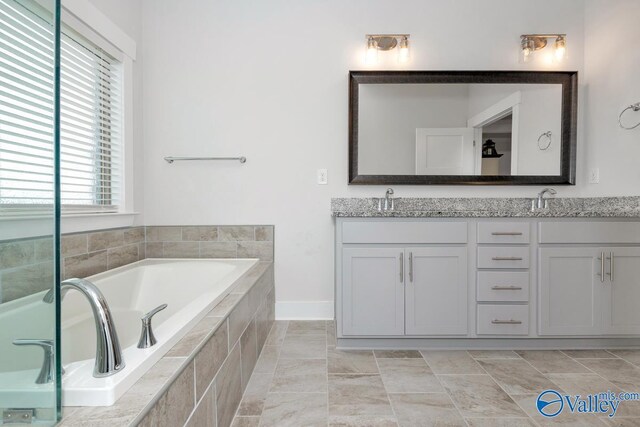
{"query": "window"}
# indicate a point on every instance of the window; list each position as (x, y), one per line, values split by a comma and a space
(90, 118)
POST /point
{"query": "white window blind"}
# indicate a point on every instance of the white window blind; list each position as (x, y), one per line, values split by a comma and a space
(90, 118)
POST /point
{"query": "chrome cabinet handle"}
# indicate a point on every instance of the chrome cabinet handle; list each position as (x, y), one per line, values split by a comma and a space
(506, 322)
(610, 258)
(411, 267)
(507, 258)
(147, 339)
(401, 267)
(506, 233)
(506, 288)
(601, 274)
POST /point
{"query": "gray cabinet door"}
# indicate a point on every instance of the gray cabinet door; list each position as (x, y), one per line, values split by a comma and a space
(571, 291)
(372, 291)
(620, 304)
(436, 291)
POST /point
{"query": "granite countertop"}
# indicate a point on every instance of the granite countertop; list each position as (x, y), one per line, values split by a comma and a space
(592, 207)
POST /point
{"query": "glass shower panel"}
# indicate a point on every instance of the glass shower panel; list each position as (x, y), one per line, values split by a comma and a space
(29, 211)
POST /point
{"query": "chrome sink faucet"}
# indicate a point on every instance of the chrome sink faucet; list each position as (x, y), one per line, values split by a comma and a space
(388, 200)
(541, 202)
(108, 353)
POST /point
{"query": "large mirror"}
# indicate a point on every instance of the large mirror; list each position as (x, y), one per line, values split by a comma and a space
(462, 127)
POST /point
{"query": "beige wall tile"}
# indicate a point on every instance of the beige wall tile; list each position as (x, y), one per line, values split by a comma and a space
(153, 250)
(85, 265)
(236, 233)
(181, 250)
(105, 239)
(239, 319)
(205, 413)
(163, 234)
(261, 250)
(134, 235)
(23, 281)
(210, 358)
(123, 255)
(199, 233)
(175, 406)
(44, 249)
(248, 352)
(264, 233)
(16, 254)
(74, 244)
(218, 249)
(228, 379)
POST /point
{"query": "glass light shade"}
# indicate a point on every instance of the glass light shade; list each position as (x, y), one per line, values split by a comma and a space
(560, 48)
(403, 53)
(372, 52)
(527, 49)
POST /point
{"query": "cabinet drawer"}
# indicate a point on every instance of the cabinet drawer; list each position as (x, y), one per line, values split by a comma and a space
(503, 257)
(404, 232)
(503, 286)
(589, 232)
(503, 319)
(503, 232)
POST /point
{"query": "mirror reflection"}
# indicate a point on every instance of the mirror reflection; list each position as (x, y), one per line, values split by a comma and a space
(459, 129)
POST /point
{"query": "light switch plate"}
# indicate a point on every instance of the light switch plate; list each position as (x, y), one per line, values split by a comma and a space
(594, 176)
(322, 177)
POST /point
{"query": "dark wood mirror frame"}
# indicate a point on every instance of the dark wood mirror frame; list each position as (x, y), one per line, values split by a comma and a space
(568, 80)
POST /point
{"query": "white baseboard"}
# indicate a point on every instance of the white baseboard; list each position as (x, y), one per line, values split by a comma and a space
(304, 310)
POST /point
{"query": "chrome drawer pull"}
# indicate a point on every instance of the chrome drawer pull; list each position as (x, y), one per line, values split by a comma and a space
(506, 233)
(506, 288)
(506, 322)
(507, 258)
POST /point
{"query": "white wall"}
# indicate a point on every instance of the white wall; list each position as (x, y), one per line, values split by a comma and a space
(612, 75)
(268, 80)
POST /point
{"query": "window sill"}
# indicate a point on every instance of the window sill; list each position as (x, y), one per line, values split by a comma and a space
(21, 227)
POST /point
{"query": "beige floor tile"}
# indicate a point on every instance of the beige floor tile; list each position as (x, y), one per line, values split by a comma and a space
(479, 396)
(566, 418)
(294, 410)
(425, 409)
(267, 360)
(304, 347)
(589, 354)
(362, 421)
(397, 354)
(357, 395)
(351, 362)
(581, 383)
(408, 376)
(622, 422)
(307, 327)
(331, 333)
(254, 396)
(300, 376)
(516, 376)
(246, 422)
(451, 362)
(631, 356)
(620, 372)
(493, 354)
(500, 422)
(555, 362)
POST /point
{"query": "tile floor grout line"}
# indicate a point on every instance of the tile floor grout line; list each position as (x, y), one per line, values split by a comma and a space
(386, 392)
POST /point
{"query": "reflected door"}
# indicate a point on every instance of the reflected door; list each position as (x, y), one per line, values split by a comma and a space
(444, 151)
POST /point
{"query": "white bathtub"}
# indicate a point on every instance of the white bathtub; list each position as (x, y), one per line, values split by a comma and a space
(191, 288)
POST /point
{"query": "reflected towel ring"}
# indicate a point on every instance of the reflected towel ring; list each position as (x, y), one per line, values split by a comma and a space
(548, 144)
(634, 107)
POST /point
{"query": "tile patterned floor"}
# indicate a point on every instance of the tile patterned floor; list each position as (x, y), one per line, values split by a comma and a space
(302, 380)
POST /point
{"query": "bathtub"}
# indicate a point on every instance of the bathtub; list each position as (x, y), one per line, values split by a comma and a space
(190, 287)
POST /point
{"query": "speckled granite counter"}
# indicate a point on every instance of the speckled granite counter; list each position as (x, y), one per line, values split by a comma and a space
(594, 207)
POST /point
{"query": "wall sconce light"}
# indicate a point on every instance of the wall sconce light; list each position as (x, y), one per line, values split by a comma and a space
(386, 42)
(530, 43)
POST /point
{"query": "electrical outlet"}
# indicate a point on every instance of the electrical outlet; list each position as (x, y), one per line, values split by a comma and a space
(594, 176)
(322, 176)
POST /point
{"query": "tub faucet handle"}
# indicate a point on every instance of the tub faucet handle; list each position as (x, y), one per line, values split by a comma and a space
(147, 339)
(48, 364)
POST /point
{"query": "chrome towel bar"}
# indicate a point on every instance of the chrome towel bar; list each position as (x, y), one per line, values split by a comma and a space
(172, 159)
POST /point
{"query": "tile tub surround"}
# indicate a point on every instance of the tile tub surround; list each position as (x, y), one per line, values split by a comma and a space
(26, 267)
(326, 386)
(594, 207)
(201, 380)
